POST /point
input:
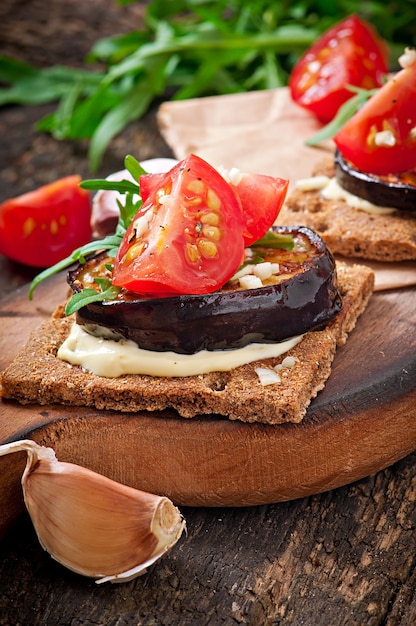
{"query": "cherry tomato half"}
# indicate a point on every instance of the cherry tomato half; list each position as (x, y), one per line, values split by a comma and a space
(42, 227)
(381, 137)
(349, 53)
(186, 238)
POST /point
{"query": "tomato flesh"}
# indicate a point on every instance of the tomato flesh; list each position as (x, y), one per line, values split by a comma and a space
(149, 183)
(42, 227)
(381, 137)
(186, 238)
(261, 199)
(349, 53)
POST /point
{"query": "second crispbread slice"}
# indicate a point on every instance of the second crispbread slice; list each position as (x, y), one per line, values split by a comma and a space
(37, 376)
(348, 231)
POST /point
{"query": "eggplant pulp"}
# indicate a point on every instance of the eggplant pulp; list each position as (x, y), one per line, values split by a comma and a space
(397, 191)
(305, 296)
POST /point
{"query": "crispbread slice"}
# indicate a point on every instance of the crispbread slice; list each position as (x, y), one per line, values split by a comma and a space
(38, 376)
(350, 232)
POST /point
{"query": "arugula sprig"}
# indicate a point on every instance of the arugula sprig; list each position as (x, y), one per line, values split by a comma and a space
(110, 243)
(345, 112)
(275, 240)
(89, 295)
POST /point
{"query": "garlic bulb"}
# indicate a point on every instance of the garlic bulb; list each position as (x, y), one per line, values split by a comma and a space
(91, 524)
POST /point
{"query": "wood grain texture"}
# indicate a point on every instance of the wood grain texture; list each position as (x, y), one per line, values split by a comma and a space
(344, 557)
(363, 421)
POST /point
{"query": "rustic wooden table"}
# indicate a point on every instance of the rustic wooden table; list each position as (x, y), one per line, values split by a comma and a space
(343, 557)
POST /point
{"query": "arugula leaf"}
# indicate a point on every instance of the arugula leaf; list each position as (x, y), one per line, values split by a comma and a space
(345, 112)
(275, 240)
(89, 295)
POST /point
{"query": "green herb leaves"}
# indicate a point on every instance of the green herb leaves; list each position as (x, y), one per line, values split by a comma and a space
(87, 296)
(185, 49)
(275, 240)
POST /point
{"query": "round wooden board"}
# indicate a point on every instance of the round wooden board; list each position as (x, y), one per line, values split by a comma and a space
(363, 421)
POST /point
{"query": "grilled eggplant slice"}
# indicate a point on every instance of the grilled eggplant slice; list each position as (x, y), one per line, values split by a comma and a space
(396, 191)
(301, 297)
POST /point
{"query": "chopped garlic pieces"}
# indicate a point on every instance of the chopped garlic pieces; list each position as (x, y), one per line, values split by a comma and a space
(385, 139)
(267, 376)
(270, 376)
(232, 176)
(287, 363)
(407, 58)
(312, 183)
(252, 275)
(250, 282)
(263, 270)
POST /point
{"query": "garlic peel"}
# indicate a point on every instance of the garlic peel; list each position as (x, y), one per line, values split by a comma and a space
(91, 524)
(135, 571)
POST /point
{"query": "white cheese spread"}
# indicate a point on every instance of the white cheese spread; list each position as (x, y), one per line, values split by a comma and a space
(109, 358)
(331, 190)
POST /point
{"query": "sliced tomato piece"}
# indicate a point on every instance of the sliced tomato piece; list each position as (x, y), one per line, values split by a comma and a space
(381, 137)
(261, 199)
(42, 227)
(186, 238)
(349, 53)
(149, 183)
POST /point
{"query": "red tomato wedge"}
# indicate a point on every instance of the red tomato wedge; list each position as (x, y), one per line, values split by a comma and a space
(349, 53)
(261, 199)
(42, 227)
(187, 237)
(381, 137)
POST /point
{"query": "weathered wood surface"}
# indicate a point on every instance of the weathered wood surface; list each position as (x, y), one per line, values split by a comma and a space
(344, 557)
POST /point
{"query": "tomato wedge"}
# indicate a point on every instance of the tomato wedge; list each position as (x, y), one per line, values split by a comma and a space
(186, 238)
(381, 137)
(42, 227)
(261, 199)
(349, 53)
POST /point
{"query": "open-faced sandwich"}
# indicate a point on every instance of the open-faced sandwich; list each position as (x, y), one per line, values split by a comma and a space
(196, 303)
(362, 200)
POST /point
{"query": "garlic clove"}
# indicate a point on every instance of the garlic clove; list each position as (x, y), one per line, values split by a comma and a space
(91, 524)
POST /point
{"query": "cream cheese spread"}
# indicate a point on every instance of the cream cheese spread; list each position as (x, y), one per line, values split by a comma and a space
(110, 358)
(331, 190)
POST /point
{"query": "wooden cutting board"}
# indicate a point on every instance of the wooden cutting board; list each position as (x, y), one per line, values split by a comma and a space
(363, 421)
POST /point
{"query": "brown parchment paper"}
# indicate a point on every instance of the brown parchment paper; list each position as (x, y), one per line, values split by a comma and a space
(262, 132)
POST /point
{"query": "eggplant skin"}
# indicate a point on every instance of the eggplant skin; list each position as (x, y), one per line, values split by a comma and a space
(224, 319)
(381, 191)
